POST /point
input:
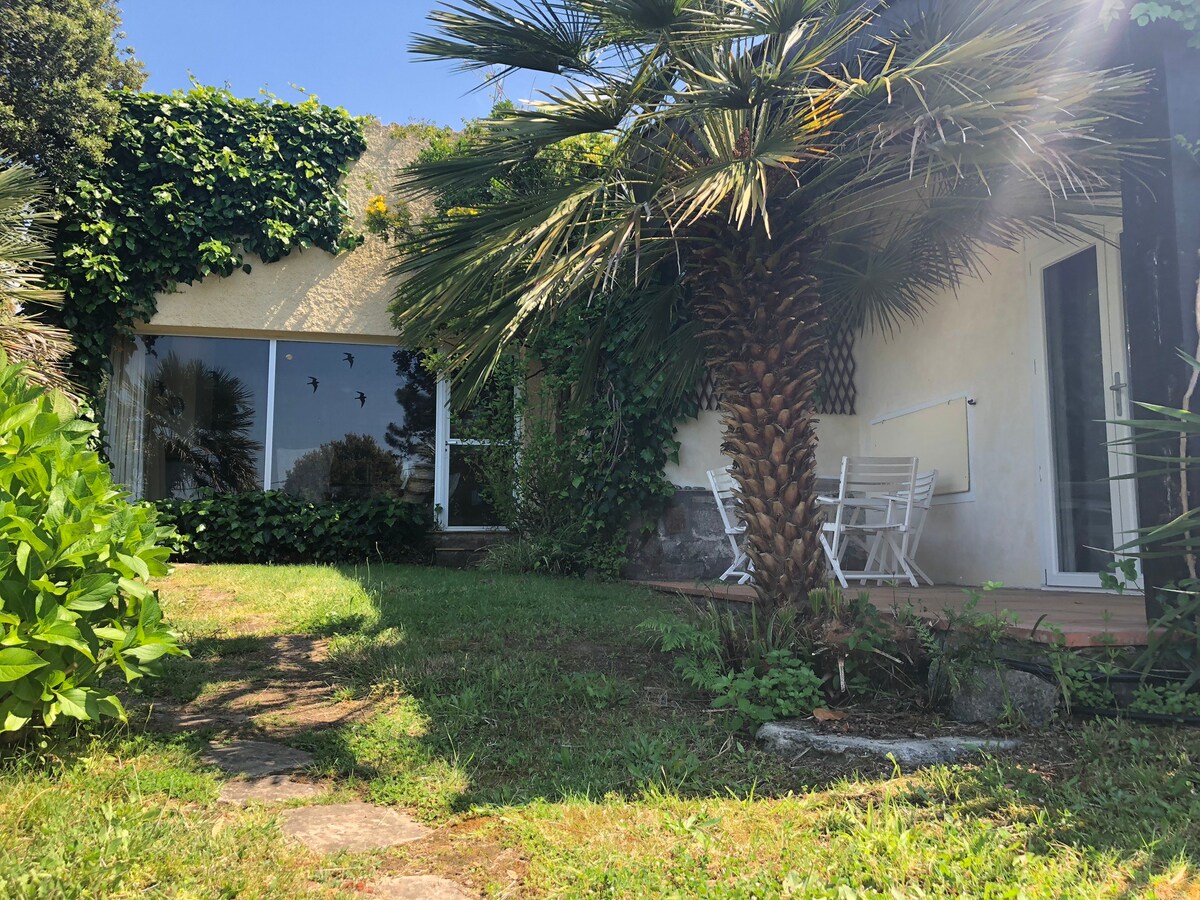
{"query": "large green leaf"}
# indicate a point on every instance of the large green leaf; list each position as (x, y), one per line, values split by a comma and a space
(15, 714)
(64, 634)
(17, 662)
(91, 593)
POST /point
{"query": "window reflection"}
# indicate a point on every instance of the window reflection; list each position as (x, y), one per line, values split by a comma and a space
(352, 421)
(347, 420)
(1075, 362)
(190, 415)
(468, 506)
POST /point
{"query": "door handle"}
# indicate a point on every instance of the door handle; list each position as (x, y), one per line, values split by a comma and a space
(1118, 388)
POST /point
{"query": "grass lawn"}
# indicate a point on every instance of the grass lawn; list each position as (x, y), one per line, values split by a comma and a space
(557, 755)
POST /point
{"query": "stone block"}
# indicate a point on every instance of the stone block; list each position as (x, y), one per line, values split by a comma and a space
(989, 694)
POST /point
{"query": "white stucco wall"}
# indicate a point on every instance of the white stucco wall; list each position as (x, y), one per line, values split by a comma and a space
(979, 344)
(983, 344)
(309, 291)
(700, 447)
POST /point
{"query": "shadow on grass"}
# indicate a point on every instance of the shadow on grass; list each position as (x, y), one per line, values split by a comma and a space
(505, 691)
(522, 689)
(281, 684)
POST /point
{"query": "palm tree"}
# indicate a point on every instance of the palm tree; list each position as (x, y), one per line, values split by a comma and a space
(777, 167)
(23, 254)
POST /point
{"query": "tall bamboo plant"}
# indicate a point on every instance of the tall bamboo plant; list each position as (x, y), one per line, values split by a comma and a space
(776, 166)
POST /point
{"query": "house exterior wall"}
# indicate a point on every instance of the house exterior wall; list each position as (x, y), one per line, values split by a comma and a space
(978, 344)
(309, 292)
(982, 344)
(700, 447)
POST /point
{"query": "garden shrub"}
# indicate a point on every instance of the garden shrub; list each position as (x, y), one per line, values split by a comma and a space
(756, 669)
(75, 559)
(785, 687)
(596, 435)
(274, 527)
(599, 417)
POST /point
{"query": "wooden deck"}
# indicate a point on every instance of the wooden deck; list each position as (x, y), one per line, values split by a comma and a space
(1086, 619)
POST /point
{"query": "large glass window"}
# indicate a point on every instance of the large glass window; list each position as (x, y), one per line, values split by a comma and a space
(1075, 365)
(326, 421)
(352, 420)
(189, 414)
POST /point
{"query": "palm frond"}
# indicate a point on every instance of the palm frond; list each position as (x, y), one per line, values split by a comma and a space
(24, 228)
(914, 139)
(553, 36)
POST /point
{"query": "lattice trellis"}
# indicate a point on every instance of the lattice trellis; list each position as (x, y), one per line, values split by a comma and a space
(708, 394)
(837, 393)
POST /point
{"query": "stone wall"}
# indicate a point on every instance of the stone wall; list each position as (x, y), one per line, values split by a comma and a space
(687, 542)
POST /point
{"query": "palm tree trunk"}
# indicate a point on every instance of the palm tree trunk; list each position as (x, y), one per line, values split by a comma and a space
(766, 333)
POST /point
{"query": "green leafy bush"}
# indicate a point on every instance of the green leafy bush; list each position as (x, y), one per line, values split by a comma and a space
(75, 558)
(786, 686)
(1083, 685)
(274, 527)
(1166, 700)
(598, 418)
(746, 664)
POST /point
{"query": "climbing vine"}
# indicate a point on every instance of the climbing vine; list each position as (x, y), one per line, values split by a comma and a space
(598, 416)
(588, 458)
(195, 182)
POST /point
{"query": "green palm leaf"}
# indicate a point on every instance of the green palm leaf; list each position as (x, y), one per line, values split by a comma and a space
(771, 167)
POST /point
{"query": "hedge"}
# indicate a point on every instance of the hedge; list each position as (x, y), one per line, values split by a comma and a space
(274, 527)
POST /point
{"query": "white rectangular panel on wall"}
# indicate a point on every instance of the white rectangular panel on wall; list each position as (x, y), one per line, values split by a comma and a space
(936, 434)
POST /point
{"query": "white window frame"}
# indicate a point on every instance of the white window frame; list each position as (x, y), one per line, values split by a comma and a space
(1112, 323)
(441, 470)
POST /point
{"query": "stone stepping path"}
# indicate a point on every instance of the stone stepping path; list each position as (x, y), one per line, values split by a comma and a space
(419, 887)
(272, 789)
(256, 759)
(354, 827)
(262, 772)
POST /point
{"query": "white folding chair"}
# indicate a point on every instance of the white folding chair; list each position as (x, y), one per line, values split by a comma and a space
(922, 500)
(873, 508)
(723, 486)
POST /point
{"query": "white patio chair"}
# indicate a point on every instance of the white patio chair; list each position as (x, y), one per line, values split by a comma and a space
(723, 486)
(923, 490)
(874, 509)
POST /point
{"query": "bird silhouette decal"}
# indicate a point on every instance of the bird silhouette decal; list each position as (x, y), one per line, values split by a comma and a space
(361, 398)
(349, 357)
(313, 381)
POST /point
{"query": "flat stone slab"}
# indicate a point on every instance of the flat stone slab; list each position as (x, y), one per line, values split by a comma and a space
(256, 759)
(353, 826)
(794, 737)
(419, 887)
(271, 789)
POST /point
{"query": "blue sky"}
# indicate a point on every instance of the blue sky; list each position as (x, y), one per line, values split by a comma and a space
(352, 53)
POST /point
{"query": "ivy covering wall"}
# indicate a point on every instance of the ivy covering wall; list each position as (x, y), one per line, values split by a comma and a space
(598, 416)
(193, 184)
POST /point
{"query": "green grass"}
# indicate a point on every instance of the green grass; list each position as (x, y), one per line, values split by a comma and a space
(122, 816)
(529, 718)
